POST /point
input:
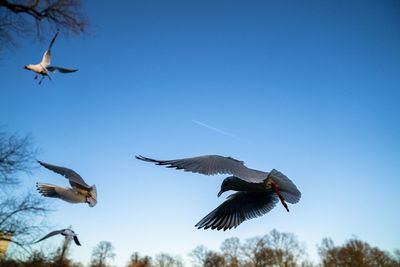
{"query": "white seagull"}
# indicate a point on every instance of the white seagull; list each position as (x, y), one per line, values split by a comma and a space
(258, 191)
(80, 192)
(68, 233)
(43, 68)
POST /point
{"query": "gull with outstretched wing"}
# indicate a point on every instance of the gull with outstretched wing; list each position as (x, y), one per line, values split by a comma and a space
(68, 233)
(44, 68)
(257, 191)
(80, 191)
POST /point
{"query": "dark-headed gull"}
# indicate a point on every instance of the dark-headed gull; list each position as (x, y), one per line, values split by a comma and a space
(68, 233)
(258, 191)
(43, 68)
(80, 192)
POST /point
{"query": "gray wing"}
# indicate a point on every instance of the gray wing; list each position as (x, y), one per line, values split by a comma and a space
(46, 56)
(237, 208)
(211, 165)
(288, 189)
(49, 235)
(60, 69)
(76, 240)
(74, 178)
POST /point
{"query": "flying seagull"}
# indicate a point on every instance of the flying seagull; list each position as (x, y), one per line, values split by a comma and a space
(44, 67)
(80, 192)
(258, 191)
(68, 233)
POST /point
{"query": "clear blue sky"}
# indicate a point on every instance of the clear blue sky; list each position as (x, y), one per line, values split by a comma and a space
(307, 87)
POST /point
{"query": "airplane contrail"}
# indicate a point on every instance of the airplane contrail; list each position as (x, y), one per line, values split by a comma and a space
(217, 130)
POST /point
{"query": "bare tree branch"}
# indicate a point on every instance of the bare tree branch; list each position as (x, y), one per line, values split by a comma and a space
(17, 156)
(35, 17)
(103, 251)
(20, 212)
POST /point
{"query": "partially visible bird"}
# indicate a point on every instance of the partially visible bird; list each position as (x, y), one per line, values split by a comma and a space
(258, 191)
(80, 192)
(67, 232)
(43, 68)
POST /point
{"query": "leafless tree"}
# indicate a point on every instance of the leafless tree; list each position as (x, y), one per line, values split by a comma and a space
(273, 249)
(17, 156)
(138, 261)
(214, 259)
(257, 253)
(167, 260)
(231, 249)
(199, 255)
(20, 212)
(287, 250)
(354, 253)
(202, 257)
(34, 17)
(103, 251)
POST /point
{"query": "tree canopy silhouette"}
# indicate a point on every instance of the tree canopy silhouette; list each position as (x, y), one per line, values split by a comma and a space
(38, 17)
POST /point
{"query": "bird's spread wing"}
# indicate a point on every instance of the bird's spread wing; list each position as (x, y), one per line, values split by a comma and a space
(49, 235)
(45, 59)
(211, 165)
(74, 178)
(49, 190)
(288, 189)
(237, 208)
(53, 40)
(60, 69)
(76, 240)
(46, 56)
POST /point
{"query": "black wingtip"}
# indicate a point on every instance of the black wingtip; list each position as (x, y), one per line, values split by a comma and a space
(41, 163)
(140, 157)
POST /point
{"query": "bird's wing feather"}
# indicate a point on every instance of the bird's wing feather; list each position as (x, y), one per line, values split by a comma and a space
(237, 208)
(76, 240)
(67, 173)
(67, 194)
(54, 191)
(46, 59)
(53, 40)
(212, 165)
(49, 190)
(288, 189)
(60, 69)
(49, 235)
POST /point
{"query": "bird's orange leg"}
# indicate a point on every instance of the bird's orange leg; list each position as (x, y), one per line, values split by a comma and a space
(275, 187)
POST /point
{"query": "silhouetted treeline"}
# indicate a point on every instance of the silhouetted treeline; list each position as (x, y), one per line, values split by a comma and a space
(276, 249)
